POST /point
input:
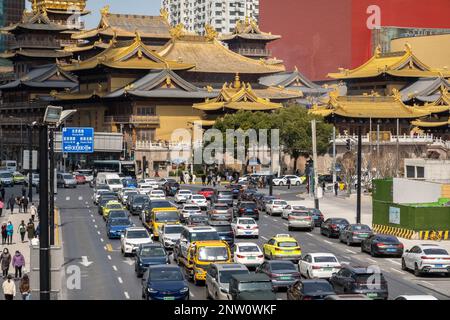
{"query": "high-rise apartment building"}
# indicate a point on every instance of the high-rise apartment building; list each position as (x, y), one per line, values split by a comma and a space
(10, 12)
(221, 14)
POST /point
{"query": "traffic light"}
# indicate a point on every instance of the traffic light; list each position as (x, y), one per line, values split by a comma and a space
(349, 144)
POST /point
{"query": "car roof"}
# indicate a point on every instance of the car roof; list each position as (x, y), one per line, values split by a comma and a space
(200, 228)
(164, 266)
(230, 266)
(246, 244)
(321, 254)
(136, 229)
(251, 277)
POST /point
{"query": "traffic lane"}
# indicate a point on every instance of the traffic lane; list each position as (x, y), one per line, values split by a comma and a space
(399, 282)
(81, 239)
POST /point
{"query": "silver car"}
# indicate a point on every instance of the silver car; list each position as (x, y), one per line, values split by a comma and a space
(6, 178)
(66, 180)
(170, 234)
(300, 219)
(218, 277)
(220, 212)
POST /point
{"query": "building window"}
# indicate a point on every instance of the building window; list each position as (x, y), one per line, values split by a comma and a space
(145, 111)
(145, 134)
(420, 172)
(410, 172)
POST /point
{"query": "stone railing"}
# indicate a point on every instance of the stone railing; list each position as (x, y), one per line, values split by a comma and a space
(133, 119)
(403, 139)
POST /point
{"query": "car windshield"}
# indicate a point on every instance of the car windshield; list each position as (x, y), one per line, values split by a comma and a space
(165, 216)
(435, 251)
(225, 276)
(225, 228)
(387, 239)
(137, 234)
(298, 208)
(67, 176)
(280, 203)
(213, 254)
(246, 221)
(5, 175)
(248, 249)
(317, 287)
(249, 205)
(191, 208)
(140, 200)
(120, 222)
(221, 207)
(204, 236)
(165, 275)
(173, 230)
(118, 214)
(340, 221)
(283, 266)
(129, 193)
(153, 252)
(104, 201)
(255, 286)
(113, 181)
(360, 228)
(300, 213)
(287, 244)
(114, 206)
(324, 259)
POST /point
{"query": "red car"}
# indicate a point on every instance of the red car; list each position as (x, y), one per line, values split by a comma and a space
(80, 179)
(207, 192)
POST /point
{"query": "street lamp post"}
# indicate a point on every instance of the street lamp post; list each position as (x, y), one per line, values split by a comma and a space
(30, 163)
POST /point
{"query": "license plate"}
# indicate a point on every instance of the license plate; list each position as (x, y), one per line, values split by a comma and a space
(372, 295)
(438, 265)
(363, 235)
(391, 250)
(251, 258)
(327, 269)
(248, 232)
(169, 298)
(285, 278)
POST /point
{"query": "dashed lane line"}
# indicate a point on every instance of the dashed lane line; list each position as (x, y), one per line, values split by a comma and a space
(104, 248)
(80, 198)
(67, 198)
(309, 234)
(371, 260)
(109, 257)
(264, 238)
(120, 280)
(426, 282)
(115, 268)
(93, 220)
(95, 226)
(329, 242)
(351, 251)
(98, 232)
(285, 224)
(127, 296)
(393, 261)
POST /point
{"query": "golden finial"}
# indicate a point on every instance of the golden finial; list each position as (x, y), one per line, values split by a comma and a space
(128, 87)
(378, 51)
(249, 86)
(210, 32)
(168, 81)
(396, 94)
(225, 85)
(209, 88)
(408, 48)
(237, 81)
(105, 10)
(54, 93)
(177, 31)
(165, 14)
(137, 38)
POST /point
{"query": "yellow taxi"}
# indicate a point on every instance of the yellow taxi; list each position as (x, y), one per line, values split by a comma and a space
(111, 205)
(282, 247)
(161, 216)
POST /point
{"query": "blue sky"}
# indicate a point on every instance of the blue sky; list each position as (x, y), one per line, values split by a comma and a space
(144, 7)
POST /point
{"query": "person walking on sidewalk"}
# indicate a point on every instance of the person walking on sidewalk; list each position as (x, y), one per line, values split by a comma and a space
(289, 183)
(9, 288)
(5, 262)
(336, 188)
(11, 203)
(18, 262)
(24, 287)
(24, 191)
(2, 204)
(9, 232)
(33, 211)
(24, 203)
(4, 234)
(2, 190)
(30, 230)
(22, 230)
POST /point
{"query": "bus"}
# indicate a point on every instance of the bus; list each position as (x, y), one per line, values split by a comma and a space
(125, 168)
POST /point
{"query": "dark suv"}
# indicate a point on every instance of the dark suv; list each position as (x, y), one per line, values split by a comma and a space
(247, 209)
(251, 287)
(360, 279)
(224, 230)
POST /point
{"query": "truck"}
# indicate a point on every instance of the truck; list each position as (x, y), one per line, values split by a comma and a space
(200, 255)
(159, 217)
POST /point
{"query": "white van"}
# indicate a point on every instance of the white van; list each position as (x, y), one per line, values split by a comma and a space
(112, 180)
(10, 165)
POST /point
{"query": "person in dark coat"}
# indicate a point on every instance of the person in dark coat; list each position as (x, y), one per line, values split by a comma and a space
(289, 183)
(5, 262)
(2, 190)
(24, 191)
(24, 203)
(11, 203)
(31, 232)
(336, 188)
(4, 234)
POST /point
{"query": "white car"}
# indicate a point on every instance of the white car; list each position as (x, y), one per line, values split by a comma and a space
(245, 227)
(290, 208)
(283, 181)
(157, 195)
(248, 254)
(319, 265)
(128, 193)
(145, 188)
(426, 258)
(170, 234)
(182, 195)
(122, 192)
(275, 207)
(416, 297)
(190, 209)
(132, 238)
(198, 200)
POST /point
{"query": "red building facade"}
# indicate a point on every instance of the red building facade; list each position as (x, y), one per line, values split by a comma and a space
(319, 36)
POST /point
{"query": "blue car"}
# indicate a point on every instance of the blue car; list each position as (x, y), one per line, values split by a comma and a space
(129, 183)
(116, 227)
(164, 282)
(149, 255)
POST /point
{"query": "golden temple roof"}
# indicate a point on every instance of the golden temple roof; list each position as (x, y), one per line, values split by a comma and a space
(237, 96)
(369, 106)
(249, 30)
(212, 57)
(58, 5)
(430, 124)
(128, 55)
(399, 64)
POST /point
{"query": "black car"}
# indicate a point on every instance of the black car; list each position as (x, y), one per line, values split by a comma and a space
(171, 188)
(314, 289)
(137, 204)
(360, 279)
(332, 226)
(197, 220)
(251, 287)
(255, 195)
(148, 255)
(317, 216)
(380, 244)
(282, 273)
(354, 233)
(247, 194)
(236, 189)
(246, 209)
(261, 203)
(224, 230)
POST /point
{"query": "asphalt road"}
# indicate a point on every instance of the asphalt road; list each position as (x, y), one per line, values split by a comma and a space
(111, 276)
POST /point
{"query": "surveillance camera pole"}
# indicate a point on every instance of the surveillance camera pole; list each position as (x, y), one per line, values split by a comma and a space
(52, 186)
(30, 163)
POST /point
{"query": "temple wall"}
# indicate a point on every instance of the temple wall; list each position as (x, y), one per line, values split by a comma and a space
(174, 117)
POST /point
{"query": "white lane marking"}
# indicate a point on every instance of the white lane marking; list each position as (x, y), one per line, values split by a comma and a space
(109, 257)
(86, 202)
(126, 295)
(93, 220)
(80, 198)
(285, 224)
(98, 232)
(393, 261)
(67, 198)
(347, 257)
(101, 239)
(120, 279)
(351, 251)
(95, 226)
(309, 234)
(115, 268)
(264, 238)
(329, 242)
(430, 284)
(371, 260)
(105, 248)
(191, 294)
(395, 270)
(274, 219)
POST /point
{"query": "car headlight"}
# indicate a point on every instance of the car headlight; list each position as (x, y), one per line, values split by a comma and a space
(184, 290)
(128, 244)
(151, 290)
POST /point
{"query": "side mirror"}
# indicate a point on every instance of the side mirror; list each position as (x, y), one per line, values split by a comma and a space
(407, 250)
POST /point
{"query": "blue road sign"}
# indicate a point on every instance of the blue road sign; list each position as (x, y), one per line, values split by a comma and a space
(78, 140)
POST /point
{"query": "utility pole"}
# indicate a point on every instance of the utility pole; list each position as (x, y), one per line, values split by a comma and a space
(44, 248)
(30, 163)
(358, 187)
(398, 148)
(378, 141)
(334, 155)
(52, 186)
(316, 177)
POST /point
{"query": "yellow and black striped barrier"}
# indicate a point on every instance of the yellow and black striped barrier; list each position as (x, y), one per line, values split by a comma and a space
(398, 232)
(430, 235)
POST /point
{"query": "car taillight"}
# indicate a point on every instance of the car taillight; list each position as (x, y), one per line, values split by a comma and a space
(307, 218)
(254, 227)
(445, 258)
(241, 210)
(240, 257)
(427, 258)
(400, 245)
(381, 245)
(291, 218)
(316, 267)
(256, 211)
(240, 228)
(307, 298)
(333, 226)
(261, 256)
(278, 249)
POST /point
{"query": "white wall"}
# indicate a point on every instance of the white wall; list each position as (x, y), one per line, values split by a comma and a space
(413, 191)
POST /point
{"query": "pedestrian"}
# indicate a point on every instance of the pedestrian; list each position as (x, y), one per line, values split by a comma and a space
(4, 234)
(11, 203)
(5, 261)
(22, 230)
(19, 204)
(24, 287)
(9, 288)
(214, 180)
(33, 211)
(30, 230)
(2, 204)
(2, 190)
(24, 191)
(336, 188)
(323, 186)
(182, 178)
(209, 180)
(10, 232)
(37, 230)
(203, 179)
(25, 204)
(289, 183)
(18, 262)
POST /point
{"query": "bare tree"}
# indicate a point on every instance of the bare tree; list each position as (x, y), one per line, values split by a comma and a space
(348, 169)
